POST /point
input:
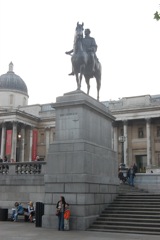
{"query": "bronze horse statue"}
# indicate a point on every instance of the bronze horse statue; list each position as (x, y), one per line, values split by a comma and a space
(81, 62)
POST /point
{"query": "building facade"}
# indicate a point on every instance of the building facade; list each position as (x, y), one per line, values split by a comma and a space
(137, 130)
(27, 130)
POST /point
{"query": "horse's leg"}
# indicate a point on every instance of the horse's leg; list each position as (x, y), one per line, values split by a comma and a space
(80, 79)
(77, 79)
(98, 80)
(82, 67)
(88, 84)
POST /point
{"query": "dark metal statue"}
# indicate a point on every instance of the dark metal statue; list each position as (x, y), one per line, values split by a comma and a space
(84, 60)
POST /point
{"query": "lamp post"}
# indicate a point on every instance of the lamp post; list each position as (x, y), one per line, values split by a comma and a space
(122, 140)
(19, 136)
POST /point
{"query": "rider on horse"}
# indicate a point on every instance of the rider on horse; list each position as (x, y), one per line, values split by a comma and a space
(90, 47)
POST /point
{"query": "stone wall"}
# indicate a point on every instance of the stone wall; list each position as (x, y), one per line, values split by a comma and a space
(22, 186)
(148, 181)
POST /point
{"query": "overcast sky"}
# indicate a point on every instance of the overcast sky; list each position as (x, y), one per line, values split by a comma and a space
(34, 35)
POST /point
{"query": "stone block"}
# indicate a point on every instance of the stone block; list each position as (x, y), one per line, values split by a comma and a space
(54, 187)
(85, 198)
(94, 188)
(76, 187)
(79, 146)
(48, 198)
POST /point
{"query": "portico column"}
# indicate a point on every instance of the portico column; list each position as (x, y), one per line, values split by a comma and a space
(3, 140)
(22, 142)
(115, 138)
(14, 141)
(47, 139)
(125, 142)
(30, 143)
(148, 131)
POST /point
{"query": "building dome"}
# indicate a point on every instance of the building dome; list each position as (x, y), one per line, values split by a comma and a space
(11, 81)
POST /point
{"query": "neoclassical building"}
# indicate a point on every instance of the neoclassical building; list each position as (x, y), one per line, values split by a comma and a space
(27, 130)
(136, 130)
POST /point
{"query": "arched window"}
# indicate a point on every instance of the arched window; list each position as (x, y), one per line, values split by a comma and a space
(24, 101)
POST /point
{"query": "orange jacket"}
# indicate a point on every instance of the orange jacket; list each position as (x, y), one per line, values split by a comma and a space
(67, 214)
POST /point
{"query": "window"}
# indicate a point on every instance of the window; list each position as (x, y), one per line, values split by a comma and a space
(121, 132)
(140, 133)
(24, 101)
(158, 159)
(158, 131)
(11, 99)
(42, 137)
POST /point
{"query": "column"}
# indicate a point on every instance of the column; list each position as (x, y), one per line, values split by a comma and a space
(22, 142)
(3, 140)
(148, 131)
(125, 145)
(14, 141)
(30, 143)
(47, 139)
(115, 137)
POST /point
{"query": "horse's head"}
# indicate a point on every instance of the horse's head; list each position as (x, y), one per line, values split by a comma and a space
(79, 30)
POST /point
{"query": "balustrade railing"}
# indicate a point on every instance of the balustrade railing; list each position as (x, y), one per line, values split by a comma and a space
(23, 168)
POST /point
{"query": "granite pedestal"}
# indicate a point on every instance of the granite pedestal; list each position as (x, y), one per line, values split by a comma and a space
(81, 164)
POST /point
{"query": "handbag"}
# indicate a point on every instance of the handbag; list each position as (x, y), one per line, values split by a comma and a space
(57, 212)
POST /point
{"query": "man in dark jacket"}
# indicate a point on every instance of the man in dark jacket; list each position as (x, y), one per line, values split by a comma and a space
(131, 175)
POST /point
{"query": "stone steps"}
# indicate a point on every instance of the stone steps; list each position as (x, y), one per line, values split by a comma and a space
(133, 211)
(136, 218)
(121, 215)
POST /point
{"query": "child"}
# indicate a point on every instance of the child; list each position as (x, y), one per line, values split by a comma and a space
(67, 214)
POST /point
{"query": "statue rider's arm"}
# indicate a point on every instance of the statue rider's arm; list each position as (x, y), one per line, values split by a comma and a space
(94, 45)
(69, 52)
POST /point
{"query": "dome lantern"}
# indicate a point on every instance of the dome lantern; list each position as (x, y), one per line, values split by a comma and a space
(11, 67)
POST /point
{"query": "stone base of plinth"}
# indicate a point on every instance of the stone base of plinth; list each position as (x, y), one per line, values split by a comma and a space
(81, 164)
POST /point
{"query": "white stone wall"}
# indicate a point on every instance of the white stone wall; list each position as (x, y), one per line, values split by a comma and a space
(18, 99)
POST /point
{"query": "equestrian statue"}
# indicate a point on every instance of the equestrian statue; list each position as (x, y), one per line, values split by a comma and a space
(84, 60)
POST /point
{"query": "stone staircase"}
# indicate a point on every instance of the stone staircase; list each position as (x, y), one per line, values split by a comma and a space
(133, 211)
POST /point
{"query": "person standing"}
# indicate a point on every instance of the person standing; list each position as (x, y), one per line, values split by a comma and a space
(5, 159)
(131, 175)
(1, 166)
(37, 158)
(135, 168)
(67, 214)
(61, 204)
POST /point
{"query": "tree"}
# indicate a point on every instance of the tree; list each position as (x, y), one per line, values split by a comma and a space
(157, 16)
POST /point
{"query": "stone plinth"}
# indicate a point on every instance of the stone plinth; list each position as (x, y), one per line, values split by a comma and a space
(81, 164)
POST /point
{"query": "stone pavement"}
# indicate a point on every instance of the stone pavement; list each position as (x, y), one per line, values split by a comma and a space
(28, 231)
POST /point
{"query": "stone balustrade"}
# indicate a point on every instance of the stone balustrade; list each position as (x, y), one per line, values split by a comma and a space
(23, 168)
